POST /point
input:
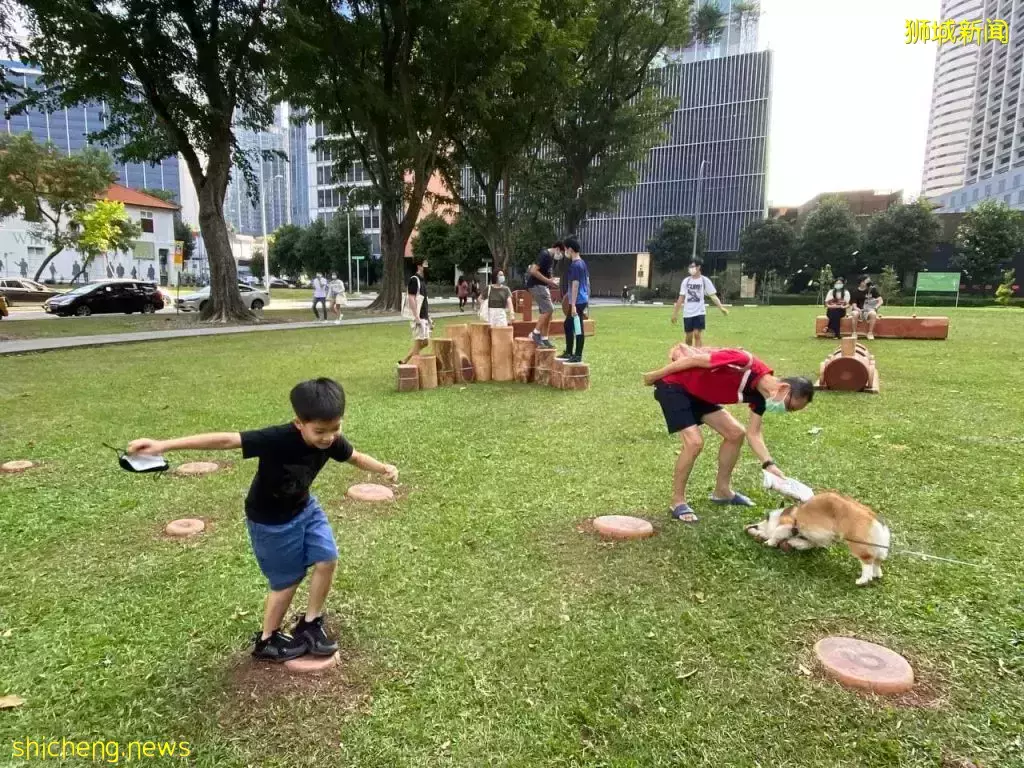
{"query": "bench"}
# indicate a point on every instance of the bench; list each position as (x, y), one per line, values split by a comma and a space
(892, 327)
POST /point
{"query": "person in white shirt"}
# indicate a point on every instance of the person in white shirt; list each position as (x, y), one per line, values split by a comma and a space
(692, 292)
(320, 295)
(336, 297)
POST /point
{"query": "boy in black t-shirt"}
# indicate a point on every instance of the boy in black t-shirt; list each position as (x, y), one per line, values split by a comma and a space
(287, 527)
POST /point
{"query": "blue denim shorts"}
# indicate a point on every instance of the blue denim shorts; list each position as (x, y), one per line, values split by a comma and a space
(285, 551)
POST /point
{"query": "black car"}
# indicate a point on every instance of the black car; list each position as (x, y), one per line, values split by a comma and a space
(106, 297)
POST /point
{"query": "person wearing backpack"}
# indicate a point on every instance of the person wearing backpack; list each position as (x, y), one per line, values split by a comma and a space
(417, 311)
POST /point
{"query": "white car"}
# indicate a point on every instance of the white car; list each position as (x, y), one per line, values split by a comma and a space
(253, 299)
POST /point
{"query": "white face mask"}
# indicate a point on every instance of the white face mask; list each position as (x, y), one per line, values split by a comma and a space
(693, 271)
(501, 279)
(838, 286)
(559, 255)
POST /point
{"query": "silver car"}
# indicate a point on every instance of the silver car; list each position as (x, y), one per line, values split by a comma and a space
(253, 298)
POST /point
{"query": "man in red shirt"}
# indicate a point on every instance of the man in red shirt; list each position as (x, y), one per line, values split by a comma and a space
(692, 389)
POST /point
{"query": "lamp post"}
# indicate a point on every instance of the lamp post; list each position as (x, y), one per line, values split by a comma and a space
(696, 215)
(348, 225)
(263, 218)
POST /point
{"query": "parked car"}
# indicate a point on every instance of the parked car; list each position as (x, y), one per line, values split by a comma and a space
(253, 298)
(107, 297)
(21, 290)
(280, 282)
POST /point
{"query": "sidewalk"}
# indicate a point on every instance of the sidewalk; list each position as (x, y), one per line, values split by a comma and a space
(99, 340)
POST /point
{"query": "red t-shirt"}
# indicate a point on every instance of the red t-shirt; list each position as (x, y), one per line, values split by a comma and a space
(732, 371)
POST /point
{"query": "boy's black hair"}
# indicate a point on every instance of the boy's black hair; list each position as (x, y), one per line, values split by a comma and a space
(697, 261)
(800, 387)
(318, 400)
(862, 278)
(873, 292)
(572, 244)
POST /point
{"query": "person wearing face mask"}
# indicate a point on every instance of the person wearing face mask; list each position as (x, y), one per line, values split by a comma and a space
(692, 389)
(417, 311)
(836, 302)
(692, 291)
(499, 302)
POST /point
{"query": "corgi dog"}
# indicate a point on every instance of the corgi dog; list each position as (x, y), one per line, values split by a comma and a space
(826, 518)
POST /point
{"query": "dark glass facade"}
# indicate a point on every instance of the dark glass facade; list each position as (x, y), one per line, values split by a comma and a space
(69, 129)
(722, 118)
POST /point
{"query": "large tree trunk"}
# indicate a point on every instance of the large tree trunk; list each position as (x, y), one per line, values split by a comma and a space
(52, 255)
(392, 248)
(225, 301)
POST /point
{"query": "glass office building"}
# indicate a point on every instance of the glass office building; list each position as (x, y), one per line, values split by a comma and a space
(722, 120)
(69, 130)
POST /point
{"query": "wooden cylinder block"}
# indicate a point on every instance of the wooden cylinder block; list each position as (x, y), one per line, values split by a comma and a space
(522, 302)
(460, 335)
(408, 378)
(557, 371)
(848, 346)
(501, 354)
(480, 350)
(427, 366)
(466, 373)
(545, 358)
(447, 372)
(576, 376)
(523, 351)
(848, 373)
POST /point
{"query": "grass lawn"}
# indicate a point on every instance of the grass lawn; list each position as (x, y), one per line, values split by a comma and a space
(102, 324)
(480, 627)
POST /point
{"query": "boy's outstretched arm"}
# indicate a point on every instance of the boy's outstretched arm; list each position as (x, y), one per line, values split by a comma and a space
(212, 441)
(370, 464)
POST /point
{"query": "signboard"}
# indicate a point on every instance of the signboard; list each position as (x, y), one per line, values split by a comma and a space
(143, 250)
(940, 282)
(179, 253)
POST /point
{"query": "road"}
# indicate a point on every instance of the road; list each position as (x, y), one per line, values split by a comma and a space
(28, 312)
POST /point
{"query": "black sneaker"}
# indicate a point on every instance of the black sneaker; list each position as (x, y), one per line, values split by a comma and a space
(575, 359)
(565, 357)
(280, 646)
(312, 632)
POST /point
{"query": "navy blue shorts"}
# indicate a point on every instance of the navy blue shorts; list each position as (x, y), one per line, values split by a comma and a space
(680, 408)
(285, 551)
(696, 323)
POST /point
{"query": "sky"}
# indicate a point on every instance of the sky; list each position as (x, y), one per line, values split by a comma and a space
(850, 98)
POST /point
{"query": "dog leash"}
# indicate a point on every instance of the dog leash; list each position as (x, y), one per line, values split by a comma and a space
(925, 555)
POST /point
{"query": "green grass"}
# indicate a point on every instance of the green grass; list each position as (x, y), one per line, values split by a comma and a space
(96, 325)
(481, 627)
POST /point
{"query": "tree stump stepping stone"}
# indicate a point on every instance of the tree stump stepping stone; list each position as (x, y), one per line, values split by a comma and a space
(305, 665)
(197, 468)
(371, 492)
(622, 527)
(860, 664)
(187, 526)
(17, 465)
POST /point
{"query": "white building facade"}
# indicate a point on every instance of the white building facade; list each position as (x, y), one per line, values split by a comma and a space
(151, 258)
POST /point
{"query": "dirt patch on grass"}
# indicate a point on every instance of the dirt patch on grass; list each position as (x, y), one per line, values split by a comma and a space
(261, 694)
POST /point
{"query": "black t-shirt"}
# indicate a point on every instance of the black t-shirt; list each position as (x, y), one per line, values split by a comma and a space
(857, 297)
(287, 469)
(545, 261)
(418, 285)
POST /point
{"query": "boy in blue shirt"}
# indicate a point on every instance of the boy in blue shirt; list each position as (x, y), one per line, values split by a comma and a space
(577, 283)
(289, 531)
